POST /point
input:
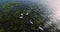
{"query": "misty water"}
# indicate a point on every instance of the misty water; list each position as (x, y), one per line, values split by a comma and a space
(51, 8)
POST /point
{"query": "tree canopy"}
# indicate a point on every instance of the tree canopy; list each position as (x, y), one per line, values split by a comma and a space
(21, 17)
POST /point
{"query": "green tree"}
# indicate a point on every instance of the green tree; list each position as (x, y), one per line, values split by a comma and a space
(21, 17)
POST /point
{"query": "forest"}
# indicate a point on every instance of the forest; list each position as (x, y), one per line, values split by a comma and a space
(24, 17)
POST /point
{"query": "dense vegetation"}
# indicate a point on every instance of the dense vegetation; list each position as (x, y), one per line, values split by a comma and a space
(22, 17)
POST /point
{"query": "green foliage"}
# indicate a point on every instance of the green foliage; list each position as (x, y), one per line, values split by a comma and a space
(10, 21)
